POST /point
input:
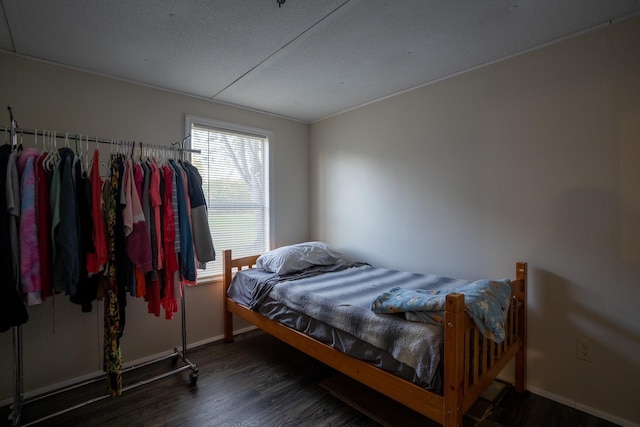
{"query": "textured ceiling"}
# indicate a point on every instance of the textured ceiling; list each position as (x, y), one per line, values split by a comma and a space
(306, 60)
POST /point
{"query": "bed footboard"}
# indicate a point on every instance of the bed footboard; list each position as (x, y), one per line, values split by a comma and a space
(472, 361)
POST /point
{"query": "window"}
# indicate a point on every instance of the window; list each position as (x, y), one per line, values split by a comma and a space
(234, 165)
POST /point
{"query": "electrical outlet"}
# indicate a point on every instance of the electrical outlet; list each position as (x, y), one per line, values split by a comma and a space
(583, 349)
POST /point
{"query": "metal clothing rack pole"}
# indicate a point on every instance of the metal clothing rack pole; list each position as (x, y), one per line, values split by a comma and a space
(175, 356)
(18, 391)
(18, 384)
(15, 131)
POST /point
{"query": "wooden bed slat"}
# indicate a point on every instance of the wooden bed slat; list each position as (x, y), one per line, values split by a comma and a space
(485, 361)
(476, 355)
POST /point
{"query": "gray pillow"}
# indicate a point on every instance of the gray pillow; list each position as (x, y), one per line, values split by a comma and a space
(293, 258)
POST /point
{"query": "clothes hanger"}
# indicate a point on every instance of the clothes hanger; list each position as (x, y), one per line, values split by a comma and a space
(164, 155)
(14, 126)
(87, 155)
(77, 152)
(46, 163)
(80, 155)
(52, 158)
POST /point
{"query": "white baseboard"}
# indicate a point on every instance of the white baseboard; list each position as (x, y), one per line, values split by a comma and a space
(219, 337)
(97, 374)
(576, 405)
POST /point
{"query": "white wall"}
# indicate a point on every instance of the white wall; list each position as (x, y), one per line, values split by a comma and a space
(60, 342)
(535, 158)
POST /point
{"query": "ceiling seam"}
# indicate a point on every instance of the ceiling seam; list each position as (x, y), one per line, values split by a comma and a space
(607, 23)
(7, 20)
(280, 49)
(151, 86)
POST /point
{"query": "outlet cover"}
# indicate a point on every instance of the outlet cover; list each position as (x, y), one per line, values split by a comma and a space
(584, 349)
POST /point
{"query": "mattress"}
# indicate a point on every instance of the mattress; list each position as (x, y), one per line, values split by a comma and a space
(334, 307)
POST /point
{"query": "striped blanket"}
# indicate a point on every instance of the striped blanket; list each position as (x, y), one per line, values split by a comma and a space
(343, 298)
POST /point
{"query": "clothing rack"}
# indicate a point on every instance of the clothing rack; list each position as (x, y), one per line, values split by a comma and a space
(177, 355)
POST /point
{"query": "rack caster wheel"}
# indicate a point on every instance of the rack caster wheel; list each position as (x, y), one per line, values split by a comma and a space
(193, 378)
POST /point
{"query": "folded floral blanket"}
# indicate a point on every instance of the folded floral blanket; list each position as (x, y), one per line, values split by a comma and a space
(486, 301)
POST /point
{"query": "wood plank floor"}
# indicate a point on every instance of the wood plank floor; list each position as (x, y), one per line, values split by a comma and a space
(256, 381)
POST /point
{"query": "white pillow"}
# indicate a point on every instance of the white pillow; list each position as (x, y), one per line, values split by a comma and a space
(292, 258)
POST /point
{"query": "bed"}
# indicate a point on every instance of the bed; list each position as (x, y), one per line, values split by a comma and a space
(467, 360)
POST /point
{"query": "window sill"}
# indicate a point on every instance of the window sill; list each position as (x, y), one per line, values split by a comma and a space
(215, 280)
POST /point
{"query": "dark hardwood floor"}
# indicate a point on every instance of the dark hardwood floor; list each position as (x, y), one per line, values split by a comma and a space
(256, 381)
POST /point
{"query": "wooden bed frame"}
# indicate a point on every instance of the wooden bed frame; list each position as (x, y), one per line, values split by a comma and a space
(467, 372)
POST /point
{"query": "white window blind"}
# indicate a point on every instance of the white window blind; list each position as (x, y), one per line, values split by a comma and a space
(233, 163)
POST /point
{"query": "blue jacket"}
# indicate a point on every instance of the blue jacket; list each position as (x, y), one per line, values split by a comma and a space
(187, 259)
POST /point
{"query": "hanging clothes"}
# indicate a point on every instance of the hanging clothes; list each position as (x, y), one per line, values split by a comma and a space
(124, 266)
(155, 199)
(202, 240)
(43, 214)
(176, 213)
(97, 259)
(154, 282)
(13, 311)
(66, 263)
(169, 302)
(87, 288)
(141, 285)
(187, 259)
(28, 232)
(112, 327)
(135, 224)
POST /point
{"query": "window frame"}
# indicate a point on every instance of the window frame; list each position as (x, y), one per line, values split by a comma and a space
(228, 127)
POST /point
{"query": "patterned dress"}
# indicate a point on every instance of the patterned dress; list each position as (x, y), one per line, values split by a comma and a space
(112, 328)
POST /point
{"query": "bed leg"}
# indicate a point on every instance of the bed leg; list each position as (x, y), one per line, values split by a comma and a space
(228, 326)
(227, 317)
